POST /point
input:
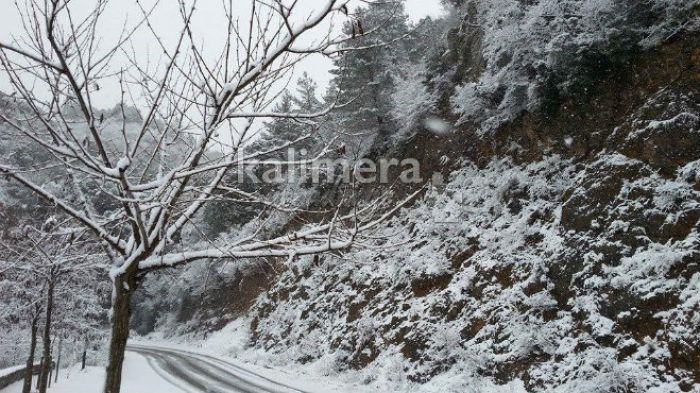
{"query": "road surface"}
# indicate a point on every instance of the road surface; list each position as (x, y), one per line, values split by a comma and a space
(197, 373)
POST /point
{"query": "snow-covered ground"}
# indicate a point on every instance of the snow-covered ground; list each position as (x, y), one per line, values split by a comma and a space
(139, 377)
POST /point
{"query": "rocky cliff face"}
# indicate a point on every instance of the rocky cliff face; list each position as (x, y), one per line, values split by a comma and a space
(562, 255)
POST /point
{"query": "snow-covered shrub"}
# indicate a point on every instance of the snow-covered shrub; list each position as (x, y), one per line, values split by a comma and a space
(507, 295)
(535, 51)
(411, 102)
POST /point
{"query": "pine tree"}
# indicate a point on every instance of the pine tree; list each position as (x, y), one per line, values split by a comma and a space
(281, 130)
(224, 215)
(306, 100)
(368, 76)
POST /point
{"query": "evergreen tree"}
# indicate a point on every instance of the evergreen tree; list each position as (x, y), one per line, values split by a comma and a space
(221, 216)
(368, 76)
(281, 130)
(306, 100)
(278, 130)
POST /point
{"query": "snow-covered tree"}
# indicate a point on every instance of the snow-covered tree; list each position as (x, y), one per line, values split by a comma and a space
(286, 130)
(22, 296)
(56, 273)
(306, 99)
(280, 130)
(155, 178)
(366, 78)
(542, 52)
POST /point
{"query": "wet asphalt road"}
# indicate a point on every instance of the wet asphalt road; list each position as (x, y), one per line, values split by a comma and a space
(197, 373)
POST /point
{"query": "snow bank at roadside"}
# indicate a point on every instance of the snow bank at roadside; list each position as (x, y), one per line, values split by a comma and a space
(138, 377)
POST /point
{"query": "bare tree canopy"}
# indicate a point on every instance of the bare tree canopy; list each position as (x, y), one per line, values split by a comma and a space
(136, 189)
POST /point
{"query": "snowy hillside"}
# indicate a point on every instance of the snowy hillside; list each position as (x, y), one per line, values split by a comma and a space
(567, 260)
(511, 288)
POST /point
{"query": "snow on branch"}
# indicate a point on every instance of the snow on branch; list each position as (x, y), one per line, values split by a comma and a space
(155, 172)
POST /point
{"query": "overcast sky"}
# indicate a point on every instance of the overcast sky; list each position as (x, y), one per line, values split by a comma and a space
(167, 22)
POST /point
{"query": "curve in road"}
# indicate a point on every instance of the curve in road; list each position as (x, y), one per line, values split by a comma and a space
(197, 373)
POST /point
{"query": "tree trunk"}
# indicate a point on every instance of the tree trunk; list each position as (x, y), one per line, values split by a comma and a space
(46, 365)
(124, 286)
(41, 368)
(48, 385)
(30, 361)
(84, 360)
(58, 361)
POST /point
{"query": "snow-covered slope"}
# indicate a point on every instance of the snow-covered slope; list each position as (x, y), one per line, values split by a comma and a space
(562, 255)
(510, 288)
(566, 259)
